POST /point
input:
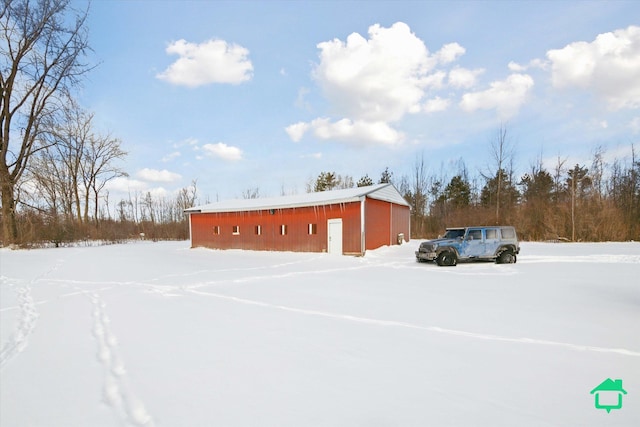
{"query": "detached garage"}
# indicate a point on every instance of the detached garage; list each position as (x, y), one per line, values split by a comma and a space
(347, 221)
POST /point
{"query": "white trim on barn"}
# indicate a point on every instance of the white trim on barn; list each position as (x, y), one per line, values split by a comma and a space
(384, 192)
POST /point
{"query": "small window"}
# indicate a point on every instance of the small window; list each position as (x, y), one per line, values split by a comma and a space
(283, 230)
(492, 233)
(236, 230)
(313, 228)
(216, 230)
(474, 235)
(508, 233)
(258, 230)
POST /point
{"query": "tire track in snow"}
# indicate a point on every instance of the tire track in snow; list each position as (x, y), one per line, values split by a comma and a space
(117, 392)
(436, 329)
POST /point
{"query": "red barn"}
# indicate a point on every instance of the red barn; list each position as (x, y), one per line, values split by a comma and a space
(341, 221)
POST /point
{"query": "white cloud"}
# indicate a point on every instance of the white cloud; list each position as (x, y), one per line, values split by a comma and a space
(223, 151)
(301, 102)
(158, 192)
(214, 61)
(171, 156)
(155, 175)
(534, 63)
(124, 185)
(634, 125)
(312, 156)
(434, 81)
(609, 66)
(297, 130)
(516, 68)
(380, 78)
(356, 132)
(506, 96)
(449, 53)
(463, 78)
(436, 104)
(375, 81)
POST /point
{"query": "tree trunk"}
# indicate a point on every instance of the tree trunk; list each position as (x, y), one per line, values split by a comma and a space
(9, 222)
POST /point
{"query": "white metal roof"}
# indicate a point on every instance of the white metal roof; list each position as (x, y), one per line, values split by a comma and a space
(386, 192)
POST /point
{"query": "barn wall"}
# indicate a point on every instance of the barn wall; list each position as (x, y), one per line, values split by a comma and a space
(384, 221)
(296, 220)
(400, 222)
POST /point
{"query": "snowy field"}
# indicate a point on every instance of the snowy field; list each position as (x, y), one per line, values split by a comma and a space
(157, 334)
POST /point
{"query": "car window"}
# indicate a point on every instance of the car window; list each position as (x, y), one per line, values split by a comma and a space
(452, 234)
(475, 235)
(492, 233)
(508, 233)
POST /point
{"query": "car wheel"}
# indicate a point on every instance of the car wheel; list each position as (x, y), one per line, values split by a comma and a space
(507, 257)
(447, 259)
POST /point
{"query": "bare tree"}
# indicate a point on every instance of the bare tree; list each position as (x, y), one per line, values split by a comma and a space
(577, 181)
(187, 196)
(52, 188)
(99, 167)
(417, 195)
(40, 52)
(502, 152)
(558, 171)
(64, 146)
(251, 193)
(76, 163)
(597, 172)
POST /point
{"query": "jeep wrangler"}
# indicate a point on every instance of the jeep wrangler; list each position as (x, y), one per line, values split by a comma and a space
(499, 244)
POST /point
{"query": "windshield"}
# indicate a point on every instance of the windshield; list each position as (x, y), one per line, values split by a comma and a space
(452, 234)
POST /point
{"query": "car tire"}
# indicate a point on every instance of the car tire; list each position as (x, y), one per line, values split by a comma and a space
(447, 259)
(506, 257)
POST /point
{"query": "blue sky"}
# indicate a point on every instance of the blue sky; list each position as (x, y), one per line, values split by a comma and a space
(267, 94)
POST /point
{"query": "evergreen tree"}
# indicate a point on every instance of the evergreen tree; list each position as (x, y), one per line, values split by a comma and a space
(365, 181)
(458, 192)
(326, 181)
(537, 194)
(386, 176)
(537, 186)
(499, 184)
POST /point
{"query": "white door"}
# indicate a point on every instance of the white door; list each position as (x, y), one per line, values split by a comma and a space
(334, 227)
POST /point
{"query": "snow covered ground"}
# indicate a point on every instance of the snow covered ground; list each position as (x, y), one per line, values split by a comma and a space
(157, 334)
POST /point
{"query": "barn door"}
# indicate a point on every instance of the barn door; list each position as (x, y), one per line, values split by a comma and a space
(334, 227)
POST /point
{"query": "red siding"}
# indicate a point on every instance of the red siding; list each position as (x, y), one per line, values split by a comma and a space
(297, 221)
(383, 222)
(400, 222)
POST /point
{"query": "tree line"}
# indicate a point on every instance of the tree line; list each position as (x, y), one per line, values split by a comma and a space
(598, 202)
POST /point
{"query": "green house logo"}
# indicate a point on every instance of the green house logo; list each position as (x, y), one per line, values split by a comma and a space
(608, 394)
